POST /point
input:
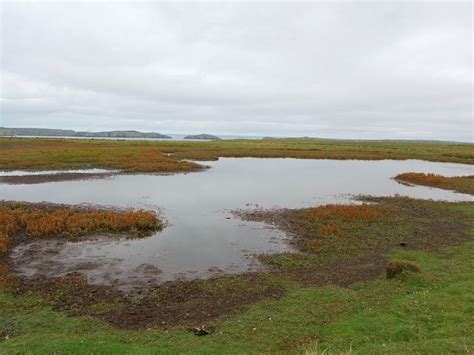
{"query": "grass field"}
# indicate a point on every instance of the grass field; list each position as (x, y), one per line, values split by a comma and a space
(167, 156)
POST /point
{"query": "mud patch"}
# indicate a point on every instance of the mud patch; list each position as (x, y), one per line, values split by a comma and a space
(173, 303)
(56, 177)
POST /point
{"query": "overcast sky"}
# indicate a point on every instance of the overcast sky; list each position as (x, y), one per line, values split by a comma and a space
(323, 69)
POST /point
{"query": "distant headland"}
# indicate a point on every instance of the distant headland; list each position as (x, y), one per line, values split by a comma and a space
(49, 132)
(202, 136)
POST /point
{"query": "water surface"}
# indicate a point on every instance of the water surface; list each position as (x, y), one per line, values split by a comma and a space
(202, 237)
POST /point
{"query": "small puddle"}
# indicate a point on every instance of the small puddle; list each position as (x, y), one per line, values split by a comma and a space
(202, 237)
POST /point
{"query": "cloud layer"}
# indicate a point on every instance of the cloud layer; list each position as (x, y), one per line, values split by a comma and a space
(339, 69)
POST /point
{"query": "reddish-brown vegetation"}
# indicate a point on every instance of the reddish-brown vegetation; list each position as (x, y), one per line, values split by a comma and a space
(36, 221)
(328, 221)
(313, 245)
(463, 184)
(396, 267)
(362, 212)
(330, 229)
(3, 243)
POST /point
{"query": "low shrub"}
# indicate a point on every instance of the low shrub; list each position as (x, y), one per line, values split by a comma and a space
(43, 222)
(424, 179)
(396, 267)
(330, 229)
(314, 245)
(3, 243)
(364, 212)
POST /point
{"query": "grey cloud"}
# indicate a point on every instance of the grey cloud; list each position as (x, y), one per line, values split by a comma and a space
(335, 69)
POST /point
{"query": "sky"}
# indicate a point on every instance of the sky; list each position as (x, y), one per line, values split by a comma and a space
(339, 69)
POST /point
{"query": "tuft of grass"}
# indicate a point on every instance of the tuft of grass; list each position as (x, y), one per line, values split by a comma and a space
(3, 243)
(397, 267)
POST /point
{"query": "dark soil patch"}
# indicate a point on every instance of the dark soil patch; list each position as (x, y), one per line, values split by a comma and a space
(56, 177)
(186, 303)
(189, 303)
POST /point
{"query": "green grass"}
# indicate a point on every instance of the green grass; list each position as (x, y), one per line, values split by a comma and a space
(427, 312)
(153, 156)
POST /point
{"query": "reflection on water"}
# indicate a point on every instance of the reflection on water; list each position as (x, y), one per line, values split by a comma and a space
(202, 237)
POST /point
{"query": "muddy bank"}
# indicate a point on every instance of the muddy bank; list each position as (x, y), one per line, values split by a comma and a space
(339, 258)
(56, 177)
(30, 179)
(189, 303)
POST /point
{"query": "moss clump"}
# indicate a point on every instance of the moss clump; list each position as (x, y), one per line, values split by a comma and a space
(396, 267)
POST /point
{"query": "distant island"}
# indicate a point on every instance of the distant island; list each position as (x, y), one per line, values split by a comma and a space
(48, 132)
(202, 136)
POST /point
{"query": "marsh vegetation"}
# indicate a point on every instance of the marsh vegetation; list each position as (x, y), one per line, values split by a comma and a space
(463, 184)
(166, 156)
(321, 285)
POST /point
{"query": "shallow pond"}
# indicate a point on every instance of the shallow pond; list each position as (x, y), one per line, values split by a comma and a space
(202, 237)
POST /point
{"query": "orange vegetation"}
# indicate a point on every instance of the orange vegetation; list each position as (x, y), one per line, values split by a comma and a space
(463, 184)
(362, 212)
(422, 178)
(314, 245)
(3, 243)
(330, 229)
(43, 222)
(329, 221)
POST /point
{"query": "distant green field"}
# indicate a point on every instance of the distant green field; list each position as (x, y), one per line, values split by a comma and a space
(167, 156)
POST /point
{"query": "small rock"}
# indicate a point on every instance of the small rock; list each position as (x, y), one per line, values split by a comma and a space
(202, 330)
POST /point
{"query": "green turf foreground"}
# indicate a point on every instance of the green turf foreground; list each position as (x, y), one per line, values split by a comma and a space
(427, 312)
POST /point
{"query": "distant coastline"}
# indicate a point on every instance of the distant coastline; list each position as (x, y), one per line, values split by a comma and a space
(49, 132)
(137, 135)
(202, 137)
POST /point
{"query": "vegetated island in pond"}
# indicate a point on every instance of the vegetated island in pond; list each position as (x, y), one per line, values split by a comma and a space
(202, 136)
(47, 132)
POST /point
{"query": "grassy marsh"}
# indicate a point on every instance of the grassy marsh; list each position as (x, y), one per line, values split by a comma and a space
(407, 314)
(463, 184)
(170, 156)
(331, 295)
(335, 298)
